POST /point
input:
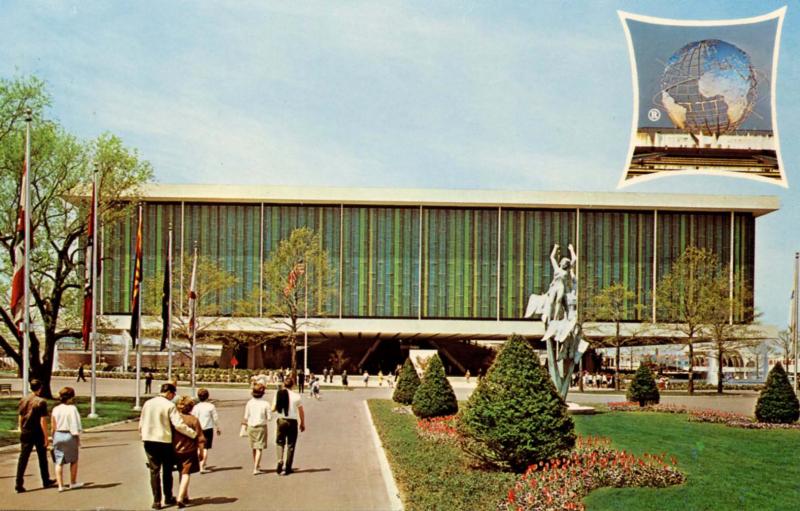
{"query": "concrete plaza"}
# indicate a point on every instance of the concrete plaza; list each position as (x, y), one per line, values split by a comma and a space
(338, 466)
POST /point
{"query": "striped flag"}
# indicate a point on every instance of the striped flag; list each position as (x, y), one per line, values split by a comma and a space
(193, 298)
(166, 314)
(137, 282)
(18, 280)
(298, 270)
(88, 286)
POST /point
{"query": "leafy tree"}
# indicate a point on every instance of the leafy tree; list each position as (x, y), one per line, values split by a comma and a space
(515, 417)
(434, 396)
(61, 172)
(610, 305)
(643, 389)
(777, 402)
(785, 343)
(288, 305)
(407, 384)
(683, 299)
(726, 335)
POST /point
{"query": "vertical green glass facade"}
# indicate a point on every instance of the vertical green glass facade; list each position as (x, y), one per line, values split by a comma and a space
(527, 238)
(427, 262)
(616, 247)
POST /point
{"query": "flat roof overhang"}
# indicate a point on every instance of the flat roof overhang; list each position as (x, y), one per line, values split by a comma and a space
(238, 194)
(432, 329)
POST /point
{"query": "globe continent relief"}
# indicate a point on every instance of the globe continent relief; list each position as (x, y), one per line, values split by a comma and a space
(708, 87)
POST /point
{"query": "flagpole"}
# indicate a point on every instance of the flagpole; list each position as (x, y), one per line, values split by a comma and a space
(26, 341)
(138, 340)
(305, 325)
(795, 312)
(169, 307)
(93, 332)
(194, 330)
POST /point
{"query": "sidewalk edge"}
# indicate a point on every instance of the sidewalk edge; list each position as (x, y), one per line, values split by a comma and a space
(386, 469)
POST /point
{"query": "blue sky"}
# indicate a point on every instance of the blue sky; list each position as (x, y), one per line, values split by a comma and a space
(497, 95)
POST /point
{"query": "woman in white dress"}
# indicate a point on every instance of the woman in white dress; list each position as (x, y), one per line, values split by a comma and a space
(66, 428)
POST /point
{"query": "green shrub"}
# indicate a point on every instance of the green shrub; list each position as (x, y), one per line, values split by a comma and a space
(434, 396)
(777, 403)
(515, 416)
(407, 384)
(643, 389)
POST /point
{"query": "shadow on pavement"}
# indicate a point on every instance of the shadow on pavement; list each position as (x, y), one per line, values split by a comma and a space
(223, 469)
(93, 486)
(100, 446)
(213, 500)
(310, 470)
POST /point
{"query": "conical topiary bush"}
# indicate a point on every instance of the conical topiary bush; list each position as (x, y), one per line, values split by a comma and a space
(407, 384)
(434, 396)
(515, 416)
(643, 389)
(777, 402)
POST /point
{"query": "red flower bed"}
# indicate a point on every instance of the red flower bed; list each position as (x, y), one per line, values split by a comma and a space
(438, 428)
(561, 484)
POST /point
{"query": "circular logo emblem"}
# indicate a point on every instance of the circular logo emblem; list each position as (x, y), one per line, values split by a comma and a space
(654, 114)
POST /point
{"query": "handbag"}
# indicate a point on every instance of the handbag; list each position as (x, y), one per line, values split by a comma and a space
(243, 431)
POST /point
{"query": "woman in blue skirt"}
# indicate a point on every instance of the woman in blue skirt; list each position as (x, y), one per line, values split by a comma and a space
(66, 427)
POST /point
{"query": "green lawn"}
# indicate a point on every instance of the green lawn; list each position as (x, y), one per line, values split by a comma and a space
(726, 468)
(109, 409)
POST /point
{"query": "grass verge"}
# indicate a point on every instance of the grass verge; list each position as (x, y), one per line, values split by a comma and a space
(109, 409)
(433, 475)
(726, 468)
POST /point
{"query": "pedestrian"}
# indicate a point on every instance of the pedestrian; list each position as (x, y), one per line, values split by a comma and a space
(380, 378)
(315, 388)
(344, 378)
(366, 378)
(301, 380)
(467, 375)
(187, 449)
(159, 415)
(325, 374)
(66, 429)
(32, 423)
(148, 383)
(207, 414)
(81, 375)
(256, 416)
(480, 374)
(289, 407)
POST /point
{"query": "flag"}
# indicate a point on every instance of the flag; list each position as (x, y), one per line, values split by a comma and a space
(298, 270)
(193, 298)
(137, 282)
(166, 316)
(18, 280)
(88, 292)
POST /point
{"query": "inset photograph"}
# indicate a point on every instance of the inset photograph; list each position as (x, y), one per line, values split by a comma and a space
(704, 98)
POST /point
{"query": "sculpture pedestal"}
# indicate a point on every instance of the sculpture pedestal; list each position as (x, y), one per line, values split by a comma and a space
(576, 409)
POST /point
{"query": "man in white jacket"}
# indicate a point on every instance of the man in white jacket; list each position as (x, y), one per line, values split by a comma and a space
(158, 414)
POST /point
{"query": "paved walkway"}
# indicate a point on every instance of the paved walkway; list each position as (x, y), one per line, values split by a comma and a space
(336, 463)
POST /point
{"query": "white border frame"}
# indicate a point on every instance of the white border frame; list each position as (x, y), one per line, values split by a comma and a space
(624, 17)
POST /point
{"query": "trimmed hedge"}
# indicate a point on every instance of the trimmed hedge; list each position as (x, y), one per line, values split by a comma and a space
(407, 384)
(643, 388)
(515, 417)
(434, 396)
(777, 403)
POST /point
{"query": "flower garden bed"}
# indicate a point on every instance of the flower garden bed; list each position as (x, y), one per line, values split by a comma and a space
(735, 420)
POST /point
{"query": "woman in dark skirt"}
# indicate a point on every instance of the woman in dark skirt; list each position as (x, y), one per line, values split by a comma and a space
(186, 449)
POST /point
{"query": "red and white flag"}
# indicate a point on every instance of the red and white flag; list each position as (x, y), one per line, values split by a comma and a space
(193, 298)
(18, 280)
(291, 281)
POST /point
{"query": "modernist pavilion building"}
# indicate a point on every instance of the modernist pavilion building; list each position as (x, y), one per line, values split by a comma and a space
(439, 265)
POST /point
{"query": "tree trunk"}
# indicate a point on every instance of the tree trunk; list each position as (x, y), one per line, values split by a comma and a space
(719, 369)
(617, 386)
(691, 368)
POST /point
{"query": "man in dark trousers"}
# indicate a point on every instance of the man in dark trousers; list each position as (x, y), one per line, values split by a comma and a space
(81, 376)
(32, 421)
(156, 421)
